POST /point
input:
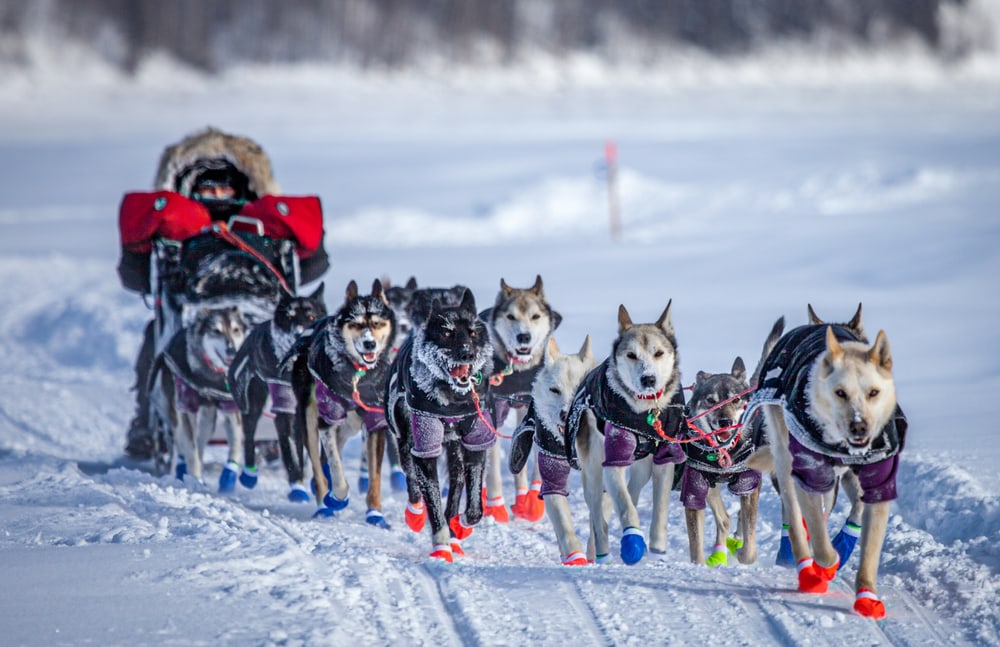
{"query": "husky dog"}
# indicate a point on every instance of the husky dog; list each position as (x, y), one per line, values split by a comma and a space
(435, 402)
(829, 404)
(255, 374)
(338, 375)
(629, 411)
(520, 323)
(545, 426)
(191, 371)
(717, 454)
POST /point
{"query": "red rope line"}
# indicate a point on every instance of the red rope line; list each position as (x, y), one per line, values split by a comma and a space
(223, 231)
(356, 395)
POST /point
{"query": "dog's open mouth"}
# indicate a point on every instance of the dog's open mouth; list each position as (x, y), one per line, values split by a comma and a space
(520, 355)
(461, 373)
(724, 436)
(369, 358)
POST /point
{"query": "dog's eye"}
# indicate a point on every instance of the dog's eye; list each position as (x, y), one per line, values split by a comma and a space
(555, 389)
(841, 393)
(473, 333)
(658, 354)
(510, 317)
(536, 317)
(873, 393)
(631, 355)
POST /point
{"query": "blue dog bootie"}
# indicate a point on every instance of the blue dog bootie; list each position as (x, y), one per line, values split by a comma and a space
(334, 503)
(248, 477)
(298, 494)
(327, 474)
(364, 481)
(227, 480)
(181, 470)
(845, 541)
(785, 557)
(633, 545)
(397, 479)
(375, 518)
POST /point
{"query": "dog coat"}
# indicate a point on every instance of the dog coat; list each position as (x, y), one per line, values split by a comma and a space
(257, 358)
(553, 466)
(195, 387)
(627, 435)
(784, 380)
(702, 470)
(514, 391)
(335, 387)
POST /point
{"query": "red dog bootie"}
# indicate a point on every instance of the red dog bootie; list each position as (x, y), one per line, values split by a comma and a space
(534, 505)
(814, 578)
(456, 548)
(460, 530)
(416, 516)
(520, 507)
(576, 558)
(866, 603)
(442, 552)
(495, 508)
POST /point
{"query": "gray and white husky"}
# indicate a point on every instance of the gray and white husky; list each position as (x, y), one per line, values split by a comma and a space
(829, 404)
(520, 324)
(626, 417)
(191, 372)
(544, 426)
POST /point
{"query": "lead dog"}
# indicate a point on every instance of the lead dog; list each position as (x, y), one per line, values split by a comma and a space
(520, 324)
(829, 404)
(628, 412)
(338, 377)
(544, 425)
(435, 400)
(256, 373)
(191, 371)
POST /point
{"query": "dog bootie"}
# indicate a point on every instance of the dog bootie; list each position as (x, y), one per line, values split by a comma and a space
(364, 481)
(326, 473)
(324, 512)
(867, 604)
(456, 548)
(458, 527)
(442, 552)
(814, 578)
(298, 494)
(520, 507)
(181, 470)
(248, 477)
(576, 558)
(633, 546)
(602, 559)
(534, 505)
(785, 557)
(719, 557)
(416, 516)
(845, 541)
(334, 503)
(397, 479)
(495, 508)
(375, 518)
(227, 480)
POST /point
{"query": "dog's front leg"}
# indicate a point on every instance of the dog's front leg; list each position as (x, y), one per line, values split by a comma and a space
(233, 424)
(426, 472)
(291, 446)
(777, 434)
(204, 428)
(590, 448)
(663, 480)
(338, 483)
(639, 474)
(633, 544)
(474, 462)
(307, 422)
(375, 447)
(456, 476)
(747, 527)
(875, 524)
(695, 521)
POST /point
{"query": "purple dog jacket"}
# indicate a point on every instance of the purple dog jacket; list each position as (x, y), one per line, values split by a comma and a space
(814, 472)
(620, 445)
(282, 397)
(189, 401)
(695, 485)
(333, 409)
(428, 435)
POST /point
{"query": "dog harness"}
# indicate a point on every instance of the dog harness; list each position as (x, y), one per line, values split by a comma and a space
(627, 435)
(784, 380)
(257, 358)
(195, 387)
(335, 386)
(553, 466)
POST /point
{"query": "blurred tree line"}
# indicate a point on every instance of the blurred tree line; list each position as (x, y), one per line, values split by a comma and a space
(211, 34)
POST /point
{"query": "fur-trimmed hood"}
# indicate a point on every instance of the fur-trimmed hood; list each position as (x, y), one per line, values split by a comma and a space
(211, 143)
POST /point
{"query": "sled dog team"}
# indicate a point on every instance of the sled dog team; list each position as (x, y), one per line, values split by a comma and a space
(818, 413)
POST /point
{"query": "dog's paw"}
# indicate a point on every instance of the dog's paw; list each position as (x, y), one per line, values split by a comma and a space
(602, 559)
(227, 480)
(534, 506)
(442, 552)
(248, 477)
(576, 558)
(785, 556)
(397, 479)
(298, 494)
(456, 548)
(814, 578)
(496, 509)
(633, 546)
(324, 512)
(334, 503)
(416, 516)
(375, 518)
(520, 507)
(364, 481)
(719, 557)
(845, 541)
(866, 603)
(458, 527)
(733, 544)
(181, 469)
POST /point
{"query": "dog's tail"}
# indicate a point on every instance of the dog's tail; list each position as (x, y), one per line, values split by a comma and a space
(772, 339)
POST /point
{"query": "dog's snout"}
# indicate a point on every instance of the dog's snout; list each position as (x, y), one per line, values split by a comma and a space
(859, 427)
(465, 353)
(524, 338)
(647, 381)
(369, 344)
(725, 422)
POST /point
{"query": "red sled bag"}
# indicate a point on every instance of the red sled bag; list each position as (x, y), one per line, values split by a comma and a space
(298, 218)
(143, 216)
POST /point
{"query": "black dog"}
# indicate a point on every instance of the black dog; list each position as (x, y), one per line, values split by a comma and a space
(255, 374)
(435, 400)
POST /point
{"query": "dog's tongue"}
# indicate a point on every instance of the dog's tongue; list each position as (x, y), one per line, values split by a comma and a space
(369, 357)
(461, 372)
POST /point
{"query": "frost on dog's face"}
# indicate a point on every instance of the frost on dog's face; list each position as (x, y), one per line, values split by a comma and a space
(219, 334)
(454, 344)
(556, 382)
(852, 393)
(645, 355)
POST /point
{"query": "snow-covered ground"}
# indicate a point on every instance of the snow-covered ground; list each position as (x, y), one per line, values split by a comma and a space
(742, 200)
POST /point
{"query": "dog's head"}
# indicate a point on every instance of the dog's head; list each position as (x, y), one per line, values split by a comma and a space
(400, 299)
(644, 359)
(294, 314)
(556, 382)
(453, 343)
(851, 391)
(521, 322)
(214, 336)
(364, 325)
(711, 389)
(422, 298)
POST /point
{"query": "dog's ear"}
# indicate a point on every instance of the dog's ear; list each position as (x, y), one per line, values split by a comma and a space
(351, 292)
(856, 324)
(739, 370)
(537, 287)
(701, 376)
(318, 292)
(551, 351)
(386, 283)
(624, 321)
(586, 352)
(555, 318)
(879, 353)
(412, 283)
(813, 318)
(468, 301)
(664, 321)
(834, 351)
(504, 288)
(377, 291)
